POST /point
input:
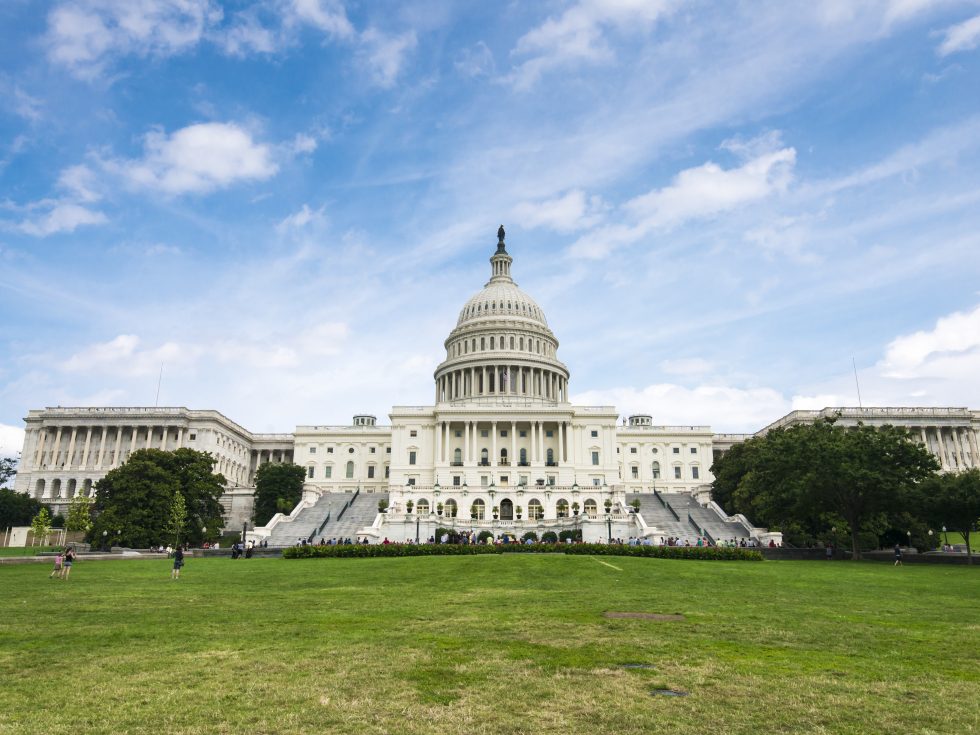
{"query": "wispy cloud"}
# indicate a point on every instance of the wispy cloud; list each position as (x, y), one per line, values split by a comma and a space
(963, 36)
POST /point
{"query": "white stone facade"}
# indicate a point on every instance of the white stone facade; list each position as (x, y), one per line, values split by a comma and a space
(501, 435)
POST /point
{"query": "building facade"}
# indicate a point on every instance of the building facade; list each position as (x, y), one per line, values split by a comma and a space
(501, 441)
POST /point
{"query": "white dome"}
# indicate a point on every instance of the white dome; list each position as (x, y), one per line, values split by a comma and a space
(501, 299)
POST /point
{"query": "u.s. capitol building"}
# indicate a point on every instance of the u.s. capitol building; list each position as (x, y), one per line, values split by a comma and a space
(501, 448)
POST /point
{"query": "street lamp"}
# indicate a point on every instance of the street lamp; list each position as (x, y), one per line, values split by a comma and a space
(945, 537)
(104, 543)
(417, 519)
(909, 534)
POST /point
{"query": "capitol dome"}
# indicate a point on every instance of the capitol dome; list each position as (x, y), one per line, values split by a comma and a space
(501, 348)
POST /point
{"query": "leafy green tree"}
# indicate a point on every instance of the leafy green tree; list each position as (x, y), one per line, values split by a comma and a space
(177, 517)
(8, 468)
(79, 514)
(17, 509)
(134, 501)
(41, 526)
(795, 479)
(278, 488)
(953, 500)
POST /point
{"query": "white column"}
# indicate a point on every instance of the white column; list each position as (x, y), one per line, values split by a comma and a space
(39, 453)
(954, 435)
(542, 457)
(561, 442)
(466, 442)
(56, 452)
(534, 443)
(166, 437)
(98, 462)
(493, 451)
(971, 436)
(88, 443)
(513, 443)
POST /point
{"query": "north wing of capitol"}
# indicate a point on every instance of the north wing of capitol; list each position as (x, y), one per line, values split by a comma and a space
(500, 449)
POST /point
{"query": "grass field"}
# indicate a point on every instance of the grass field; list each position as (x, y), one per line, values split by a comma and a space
(494, 644)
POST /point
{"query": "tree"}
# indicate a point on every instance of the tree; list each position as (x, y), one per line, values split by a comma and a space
(41, 526)
(177, 517)
(134, 501)
(799, 479)
(79, 514)
(278, 488)
(953, 500)
(17, 509)
(8, 468)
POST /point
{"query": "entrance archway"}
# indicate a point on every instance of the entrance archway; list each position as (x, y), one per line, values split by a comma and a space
(506, 509)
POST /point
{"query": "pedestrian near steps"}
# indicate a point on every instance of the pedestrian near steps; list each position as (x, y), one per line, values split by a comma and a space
(898, 555)
(178, 562)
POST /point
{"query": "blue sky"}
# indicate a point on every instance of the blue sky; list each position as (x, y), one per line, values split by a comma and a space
(285, 202)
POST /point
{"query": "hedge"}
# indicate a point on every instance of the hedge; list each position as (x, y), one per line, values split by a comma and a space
(351, 551)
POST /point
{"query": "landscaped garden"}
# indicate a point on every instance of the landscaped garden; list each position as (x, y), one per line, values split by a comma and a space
(511, 643)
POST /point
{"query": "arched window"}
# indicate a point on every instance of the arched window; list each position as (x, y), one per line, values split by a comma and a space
(478, 510)
(458, 457)
(483, 343)
(534, 510)
(422, 507)
(523, 457)
(562, 508)
(656, 470)
(485, 457)
(473, 344)
(551, 457)
(450, 508)
(503, 456)
(350, 470)
(512, 343)
(39, 489)
(591, 508)
(522, 343)
(491, 343)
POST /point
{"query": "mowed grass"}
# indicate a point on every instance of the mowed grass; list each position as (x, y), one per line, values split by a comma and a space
(489, 644)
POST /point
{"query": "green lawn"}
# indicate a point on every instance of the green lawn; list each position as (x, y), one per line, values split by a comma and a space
(489, 644)
(26, 550)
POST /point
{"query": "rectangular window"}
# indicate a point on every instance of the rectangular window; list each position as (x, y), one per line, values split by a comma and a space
(677, 450)
(596, 482)
(459, 434)
(632, 450)
(595, 433)
(387, 450)
(455, 480)
(677, 473)
(484, 480)
(411, 457)
(411, 480)
(551, 480)
(549, 434)
(635, 472)
(503, 479)
(522, 480)
(503, 432)
(523, 434)
(694, 450)
(370, 471)
(413, 432)
(694, 472)
(312, 450)
(484, 433)
(387, 471)
(327, 471)
(309, 472)
(595, 458)
(192, 437)
(373, 450)
(329, 450)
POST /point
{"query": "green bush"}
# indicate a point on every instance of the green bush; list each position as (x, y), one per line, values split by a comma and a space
(574, 535)
(549, 537)
(483, 536)
(530, 535)
(360, 551)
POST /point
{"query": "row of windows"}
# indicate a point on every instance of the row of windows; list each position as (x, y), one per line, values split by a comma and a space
(675, 450)
(491, 306)
(464, 347)
(348, 471)
(655, 472)
(350, 450)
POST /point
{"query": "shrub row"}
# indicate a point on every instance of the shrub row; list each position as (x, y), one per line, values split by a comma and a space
(350, 551)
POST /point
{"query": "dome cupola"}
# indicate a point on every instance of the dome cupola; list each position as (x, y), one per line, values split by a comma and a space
(501, 348)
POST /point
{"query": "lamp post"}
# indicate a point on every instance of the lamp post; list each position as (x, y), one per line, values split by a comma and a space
(909, 535)
(945, 537)
(204, 533)
(417, 520)
(931, 547)
(105, 546)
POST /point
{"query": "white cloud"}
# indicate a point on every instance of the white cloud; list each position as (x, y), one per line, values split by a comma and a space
(199, 158)
(327, 15)
(700, 192)
(728, 408)
(62, 217)
(964, 36)
(302, 218)
(384, 55)
(951, 349)
(11, 440)
(578, 35)
(81, 183)
(476, 61)
(566, 213)
(84, 34)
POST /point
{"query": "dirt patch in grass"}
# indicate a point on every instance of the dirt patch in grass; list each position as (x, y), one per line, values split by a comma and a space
(644, 616)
